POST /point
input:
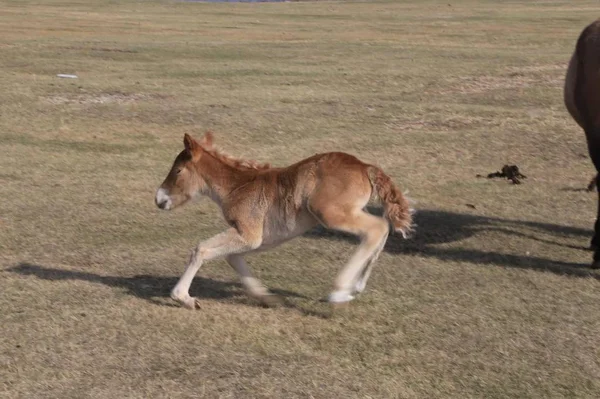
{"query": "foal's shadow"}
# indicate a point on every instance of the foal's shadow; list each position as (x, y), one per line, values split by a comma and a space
(435, 227)
(154, 289)
(440, 227)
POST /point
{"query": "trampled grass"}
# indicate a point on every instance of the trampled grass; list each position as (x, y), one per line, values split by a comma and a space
(492, 298)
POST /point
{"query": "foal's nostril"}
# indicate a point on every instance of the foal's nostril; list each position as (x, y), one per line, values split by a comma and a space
(162, 204)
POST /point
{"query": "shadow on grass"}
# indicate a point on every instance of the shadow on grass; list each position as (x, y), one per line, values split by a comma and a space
(439, 227)
(435, 227)
(155, 289)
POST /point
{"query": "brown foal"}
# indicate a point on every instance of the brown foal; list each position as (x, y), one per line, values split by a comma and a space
(266, 206)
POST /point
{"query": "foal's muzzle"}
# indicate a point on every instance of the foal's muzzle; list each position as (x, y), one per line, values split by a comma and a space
(163, 201)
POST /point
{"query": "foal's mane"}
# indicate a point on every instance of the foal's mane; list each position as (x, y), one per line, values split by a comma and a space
(207, 144)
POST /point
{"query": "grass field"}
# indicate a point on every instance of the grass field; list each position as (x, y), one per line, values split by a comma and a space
(492, 298)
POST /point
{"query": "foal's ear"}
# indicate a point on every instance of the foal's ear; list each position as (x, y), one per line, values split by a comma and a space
(192, 147)
(190, 144)
(208, 140)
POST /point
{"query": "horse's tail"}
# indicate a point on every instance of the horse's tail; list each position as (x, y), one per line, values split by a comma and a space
(396, 206)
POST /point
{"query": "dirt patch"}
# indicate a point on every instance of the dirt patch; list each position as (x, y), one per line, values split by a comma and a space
(98, 98)
(102, 49)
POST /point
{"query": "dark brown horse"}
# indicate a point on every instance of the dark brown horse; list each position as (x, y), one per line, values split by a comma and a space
(582, 98)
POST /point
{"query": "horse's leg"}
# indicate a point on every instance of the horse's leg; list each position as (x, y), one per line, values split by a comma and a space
(227, 243)
(361, 283)
(593, 140)
(371, 229)
(595, 245)
(252, 285)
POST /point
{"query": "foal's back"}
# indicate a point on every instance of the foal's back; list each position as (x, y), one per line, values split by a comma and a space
(291, 198)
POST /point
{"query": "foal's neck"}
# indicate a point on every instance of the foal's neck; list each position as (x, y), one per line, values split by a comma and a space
(221, 179)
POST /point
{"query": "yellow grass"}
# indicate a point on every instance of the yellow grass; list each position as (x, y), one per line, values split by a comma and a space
(492, 301)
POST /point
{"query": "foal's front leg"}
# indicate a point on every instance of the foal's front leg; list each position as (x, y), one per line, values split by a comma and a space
(253, 286)
(223, 244)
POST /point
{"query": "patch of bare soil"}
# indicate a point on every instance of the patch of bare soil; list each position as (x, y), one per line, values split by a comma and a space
(97, 98)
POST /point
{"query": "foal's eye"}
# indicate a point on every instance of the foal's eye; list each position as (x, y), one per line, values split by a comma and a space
(179, 171)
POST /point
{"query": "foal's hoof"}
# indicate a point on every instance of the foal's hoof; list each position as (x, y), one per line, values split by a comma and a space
(189, 303)
(340, 297)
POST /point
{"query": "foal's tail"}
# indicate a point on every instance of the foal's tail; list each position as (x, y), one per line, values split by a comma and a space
(396, 206)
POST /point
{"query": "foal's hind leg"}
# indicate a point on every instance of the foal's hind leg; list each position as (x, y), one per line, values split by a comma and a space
(371, 229)
(361, 283)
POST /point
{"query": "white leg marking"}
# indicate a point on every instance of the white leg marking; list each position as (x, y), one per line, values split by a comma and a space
(227, 243)
(252, 285)
(340, 296)
(361, 284)
(180, 292)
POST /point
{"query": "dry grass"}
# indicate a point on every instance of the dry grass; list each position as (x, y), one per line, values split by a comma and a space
(489, 302)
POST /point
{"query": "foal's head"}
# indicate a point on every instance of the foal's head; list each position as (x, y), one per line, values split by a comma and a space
(183, 181)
